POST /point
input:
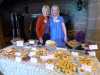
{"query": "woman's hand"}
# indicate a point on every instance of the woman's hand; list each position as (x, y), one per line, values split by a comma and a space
(65, 39)
(41, 40)
(64, 30)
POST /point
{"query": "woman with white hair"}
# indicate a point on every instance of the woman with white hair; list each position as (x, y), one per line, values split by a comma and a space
(57, 27)
(42, 28)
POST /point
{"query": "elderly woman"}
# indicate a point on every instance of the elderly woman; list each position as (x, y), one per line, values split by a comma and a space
(57, 27)
(42, 28)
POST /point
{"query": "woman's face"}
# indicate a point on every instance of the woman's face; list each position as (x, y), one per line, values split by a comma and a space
(45, 12)
(54, 11)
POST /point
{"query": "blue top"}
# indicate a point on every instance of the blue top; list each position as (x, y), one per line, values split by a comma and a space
(56, 31)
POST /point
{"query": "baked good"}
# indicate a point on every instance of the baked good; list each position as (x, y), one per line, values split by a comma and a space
(9, 52)
(24, 55)
(73, 43)
(51, 43)
(41, 52)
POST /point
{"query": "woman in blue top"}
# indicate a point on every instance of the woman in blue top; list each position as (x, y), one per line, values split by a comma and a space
(57, 27)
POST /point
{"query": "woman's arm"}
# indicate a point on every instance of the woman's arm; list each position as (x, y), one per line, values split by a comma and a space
(64, 30)
(38, 29)
(37, 26)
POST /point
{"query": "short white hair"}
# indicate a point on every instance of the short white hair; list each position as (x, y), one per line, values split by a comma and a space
(46, 8)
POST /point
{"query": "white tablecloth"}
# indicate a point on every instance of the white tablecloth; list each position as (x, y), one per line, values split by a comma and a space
(11, 67)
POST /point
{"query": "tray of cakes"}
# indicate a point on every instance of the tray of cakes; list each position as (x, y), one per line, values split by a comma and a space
(8, 52)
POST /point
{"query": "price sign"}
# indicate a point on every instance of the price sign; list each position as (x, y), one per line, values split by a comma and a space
(20, 43)
(31, 42)
(75, 54)
(93, 47)
(87, 68)
(92, 53)
(49, 66)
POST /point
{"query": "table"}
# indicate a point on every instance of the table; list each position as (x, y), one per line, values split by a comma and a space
(11, 67)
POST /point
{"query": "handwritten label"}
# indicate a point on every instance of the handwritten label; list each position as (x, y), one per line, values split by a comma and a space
(93, 47)
(87, 68)
(49, 66)
(75, 54)
(20, 43)
(31, 42)
(92, 53)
